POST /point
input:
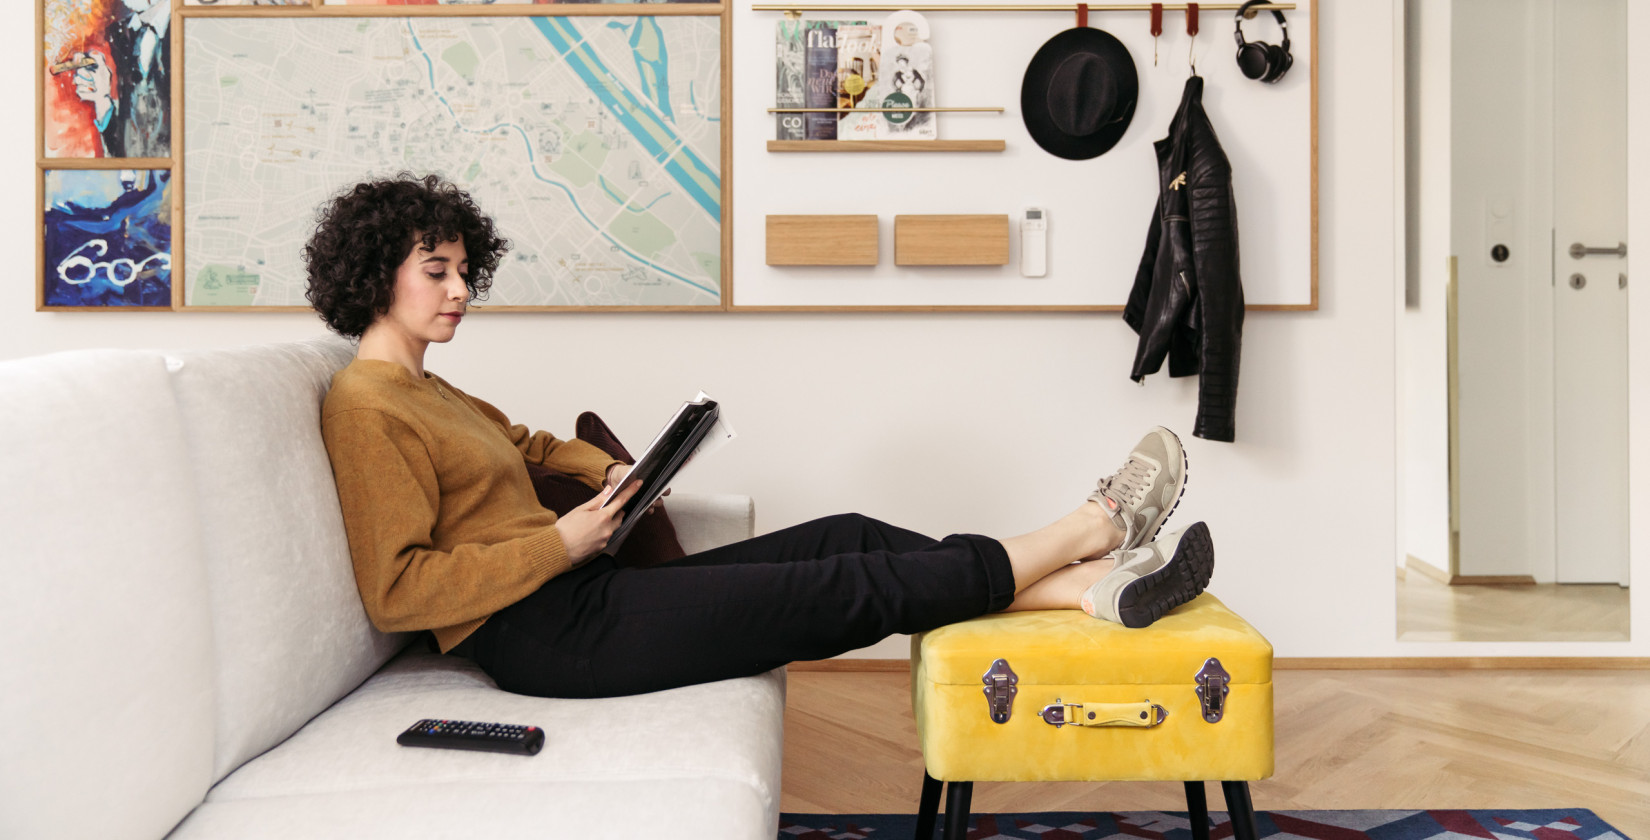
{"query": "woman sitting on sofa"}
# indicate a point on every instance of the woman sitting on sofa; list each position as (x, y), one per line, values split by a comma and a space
(446, 533)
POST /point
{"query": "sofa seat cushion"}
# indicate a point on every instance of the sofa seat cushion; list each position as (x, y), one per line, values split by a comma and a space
(703, 760)
(498, 809)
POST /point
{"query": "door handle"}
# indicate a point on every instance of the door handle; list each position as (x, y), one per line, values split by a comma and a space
(1578, 250)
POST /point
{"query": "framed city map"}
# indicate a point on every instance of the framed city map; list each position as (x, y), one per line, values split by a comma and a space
(595, 140)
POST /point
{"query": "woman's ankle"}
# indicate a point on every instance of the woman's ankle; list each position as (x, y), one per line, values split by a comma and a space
(1107, 537)
(1061, 589)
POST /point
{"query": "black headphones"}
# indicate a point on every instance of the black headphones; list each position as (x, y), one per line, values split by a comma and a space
(1258, 59)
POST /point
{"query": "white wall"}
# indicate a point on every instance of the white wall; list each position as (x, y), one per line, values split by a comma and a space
(992, 423)
(1422, 346)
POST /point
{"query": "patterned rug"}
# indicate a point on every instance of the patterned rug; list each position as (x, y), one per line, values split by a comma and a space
(1553, 824)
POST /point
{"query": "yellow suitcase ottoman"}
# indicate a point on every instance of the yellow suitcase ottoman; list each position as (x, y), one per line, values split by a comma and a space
(1059, 696)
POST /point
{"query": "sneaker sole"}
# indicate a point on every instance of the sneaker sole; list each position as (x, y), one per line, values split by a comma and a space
(1185, 479)
(1180, 580)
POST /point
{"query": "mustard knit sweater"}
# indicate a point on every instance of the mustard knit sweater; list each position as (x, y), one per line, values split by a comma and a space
(444, 526)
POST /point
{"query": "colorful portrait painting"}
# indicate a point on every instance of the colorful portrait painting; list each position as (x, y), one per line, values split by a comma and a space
(108, 238)
(108, 78)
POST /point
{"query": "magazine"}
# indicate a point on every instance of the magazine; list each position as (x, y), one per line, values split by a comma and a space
(858, 51)
(697, 427)
(819, 54)
(788, 73)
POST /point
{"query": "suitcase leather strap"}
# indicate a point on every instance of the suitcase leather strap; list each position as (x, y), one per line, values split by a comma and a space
(1142, 715)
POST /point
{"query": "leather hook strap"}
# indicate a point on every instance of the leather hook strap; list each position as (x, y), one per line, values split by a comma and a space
(1191, 19)
(1157, 19)
(1082, 15)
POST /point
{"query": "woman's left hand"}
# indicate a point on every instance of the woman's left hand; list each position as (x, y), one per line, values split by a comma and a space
(616, 474)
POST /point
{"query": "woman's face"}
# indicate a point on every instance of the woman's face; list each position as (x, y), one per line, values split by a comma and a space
(430, 295)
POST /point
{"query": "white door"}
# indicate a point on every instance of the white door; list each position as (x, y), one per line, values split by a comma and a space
(1589, 292)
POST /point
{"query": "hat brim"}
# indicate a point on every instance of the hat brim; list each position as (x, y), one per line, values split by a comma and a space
(1034, 104)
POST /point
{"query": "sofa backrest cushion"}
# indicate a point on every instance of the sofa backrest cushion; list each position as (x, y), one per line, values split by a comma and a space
(291, 634)
(107, 645)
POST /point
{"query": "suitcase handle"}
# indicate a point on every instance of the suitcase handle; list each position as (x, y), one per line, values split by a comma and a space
(1142, 715)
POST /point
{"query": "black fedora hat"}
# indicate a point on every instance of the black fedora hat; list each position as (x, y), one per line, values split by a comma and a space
(1079, 93)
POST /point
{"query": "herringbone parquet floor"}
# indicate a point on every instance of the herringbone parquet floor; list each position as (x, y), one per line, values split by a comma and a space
(1432, 611)
(1345, 739)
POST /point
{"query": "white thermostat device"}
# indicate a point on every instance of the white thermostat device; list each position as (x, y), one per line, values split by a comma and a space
(1034, 243)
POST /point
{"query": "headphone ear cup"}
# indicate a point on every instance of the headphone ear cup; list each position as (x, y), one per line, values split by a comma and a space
(1277, 61)
(1287, 61)
(1252, 60)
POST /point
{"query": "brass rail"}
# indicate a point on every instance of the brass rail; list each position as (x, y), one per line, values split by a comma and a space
(873, 110)
(1069, 8)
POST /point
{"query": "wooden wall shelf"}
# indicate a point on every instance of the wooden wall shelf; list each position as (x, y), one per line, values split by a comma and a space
(886, 145)
(822, 240)
(950, 240)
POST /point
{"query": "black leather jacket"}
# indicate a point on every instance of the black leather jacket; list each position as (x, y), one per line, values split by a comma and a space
(1187, 301)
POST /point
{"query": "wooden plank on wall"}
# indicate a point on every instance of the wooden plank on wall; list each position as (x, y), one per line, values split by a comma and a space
(822, 240)
(951, 240)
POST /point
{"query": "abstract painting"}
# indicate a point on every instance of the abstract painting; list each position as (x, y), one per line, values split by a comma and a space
(108, 78)
(108, 238)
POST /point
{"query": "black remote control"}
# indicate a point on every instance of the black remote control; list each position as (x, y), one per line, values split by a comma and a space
(471, 735)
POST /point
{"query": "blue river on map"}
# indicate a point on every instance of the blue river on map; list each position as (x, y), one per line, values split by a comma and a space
(558, 39)
(627, 108)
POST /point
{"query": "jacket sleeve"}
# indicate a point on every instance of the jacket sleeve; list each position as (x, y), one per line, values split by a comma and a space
(575, 457)
(389, 493)
(1220, 302)
(1134, 312)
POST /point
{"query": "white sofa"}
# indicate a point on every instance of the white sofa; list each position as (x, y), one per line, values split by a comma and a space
(184, 653)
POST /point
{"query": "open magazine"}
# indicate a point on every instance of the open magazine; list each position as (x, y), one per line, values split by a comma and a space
(695, 427)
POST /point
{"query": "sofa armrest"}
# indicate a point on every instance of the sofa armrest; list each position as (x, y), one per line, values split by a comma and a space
(706, 521)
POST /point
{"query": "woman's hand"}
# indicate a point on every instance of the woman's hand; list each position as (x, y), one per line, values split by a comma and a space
(616, 474)
(586, 529)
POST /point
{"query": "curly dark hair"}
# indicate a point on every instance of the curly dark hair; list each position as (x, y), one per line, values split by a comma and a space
(364, 233)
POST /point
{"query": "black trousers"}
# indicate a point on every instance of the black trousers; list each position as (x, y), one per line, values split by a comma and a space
(808, 592)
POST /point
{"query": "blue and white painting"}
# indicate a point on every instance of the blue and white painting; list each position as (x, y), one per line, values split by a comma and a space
(108, 237)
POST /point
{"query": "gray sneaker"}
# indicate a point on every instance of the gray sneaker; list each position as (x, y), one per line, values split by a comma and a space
(1149, 581)
(1142, 494)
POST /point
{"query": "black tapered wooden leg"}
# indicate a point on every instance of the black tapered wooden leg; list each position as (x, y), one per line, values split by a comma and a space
(1241, 809)
(958, 796)
(1197, 810)
(929, 807)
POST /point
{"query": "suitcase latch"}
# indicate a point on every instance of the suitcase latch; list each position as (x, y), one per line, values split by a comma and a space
(1212, 688)
(1001, 684)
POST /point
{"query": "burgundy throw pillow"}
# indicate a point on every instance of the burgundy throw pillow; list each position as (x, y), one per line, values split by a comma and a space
(653, 540)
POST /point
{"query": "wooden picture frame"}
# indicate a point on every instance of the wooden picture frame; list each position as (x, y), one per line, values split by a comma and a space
(180, 17)
(182, 14)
